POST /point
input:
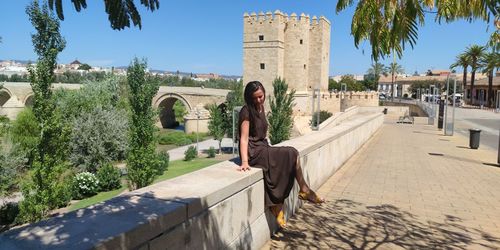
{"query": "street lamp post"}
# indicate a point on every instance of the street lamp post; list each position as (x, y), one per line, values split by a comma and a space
(197, 129)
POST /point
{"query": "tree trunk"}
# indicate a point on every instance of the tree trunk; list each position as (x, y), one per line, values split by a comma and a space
(490, 89)
(392, 86)
(473, 74)
(465, 81)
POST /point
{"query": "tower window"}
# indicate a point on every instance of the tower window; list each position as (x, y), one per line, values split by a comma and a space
(262, 66)
(304, 66)
(261, 38)
(301, 41)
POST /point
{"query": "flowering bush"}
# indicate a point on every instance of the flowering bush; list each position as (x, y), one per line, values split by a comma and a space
(84, 185)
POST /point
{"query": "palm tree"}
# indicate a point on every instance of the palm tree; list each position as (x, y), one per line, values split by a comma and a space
(394, 68)
(376, 70)
(390, 25)
(463, 61)
(120, 12)
(489, 62)
(474, 53)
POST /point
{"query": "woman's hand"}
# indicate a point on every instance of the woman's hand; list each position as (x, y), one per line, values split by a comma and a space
(244, 167)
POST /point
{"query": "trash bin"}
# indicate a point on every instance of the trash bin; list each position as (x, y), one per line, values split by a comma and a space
(385, 111)
(474, 138)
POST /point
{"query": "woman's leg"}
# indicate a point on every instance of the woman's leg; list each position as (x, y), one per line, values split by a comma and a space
(299, 176)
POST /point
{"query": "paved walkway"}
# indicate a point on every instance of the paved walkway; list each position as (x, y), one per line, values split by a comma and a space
(178, 153)
(393, 194)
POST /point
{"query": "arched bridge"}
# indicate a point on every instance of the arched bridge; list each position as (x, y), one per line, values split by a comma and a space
(14, 96)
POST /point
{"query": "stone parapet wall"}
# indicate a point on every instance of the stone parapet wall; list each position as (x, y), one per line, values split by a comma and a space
(213, 208)
(338, 117)
(360, 99)
(334, 102)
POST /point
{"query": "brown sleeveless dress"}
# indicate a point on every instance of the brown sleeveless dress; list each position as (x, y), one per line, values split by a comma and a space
(278, 163)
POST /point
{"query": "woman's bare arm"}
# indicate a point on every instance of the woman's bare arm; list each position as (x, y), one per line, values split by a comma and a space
(244, 130)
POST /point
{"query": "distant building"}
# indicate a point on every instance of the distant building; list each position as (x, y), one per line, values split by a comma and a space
(480, 93)
(206, 77)
(74, 65)
(337, 78)
(438, 72)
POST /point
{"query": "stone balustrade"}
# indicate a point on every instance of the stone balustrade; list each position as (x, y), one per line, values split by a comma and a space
(213, 208)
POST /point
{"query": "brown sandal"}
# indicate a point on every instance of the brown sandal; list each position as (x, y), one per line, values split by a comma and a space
(280, 216)
(311, 196)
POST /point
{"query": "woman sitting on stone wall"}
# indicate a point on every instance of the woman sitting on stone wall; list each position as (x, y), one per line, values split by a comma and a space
(280, 165)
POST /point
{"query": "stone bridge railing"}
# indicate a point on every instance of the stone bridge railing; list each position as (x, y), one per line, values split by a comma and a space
(213, 208)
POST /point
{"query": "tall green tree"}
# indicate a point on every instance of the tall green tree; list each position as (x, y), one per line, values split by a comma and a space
(462, 61)
(233, 99)
(216, 126)
(390, 25)
(394, 68)
(351, 83)
(375, 71)
(489, 62)
(120, 12)
(280, 119)
(45, 190)
(141, 160)
(179, 111)
(332, 84)
(474, 53)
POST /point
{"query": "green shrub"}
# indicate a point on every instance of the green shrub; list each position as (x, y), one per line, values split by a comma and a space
(98, 137)
(8, 213)
(11, 164)
(163, 159)
(4, 126)
(190, 153)
(108, 177)
(323, 115)
(175, 138)
(85, 184)
(192, 136)
(25, 131)
(211, 152)
(58, 195)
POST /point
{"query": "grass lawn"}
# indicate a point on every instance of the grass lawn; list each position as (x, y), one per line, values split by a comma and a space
(175, 168)
(103, 196)
(180, 167)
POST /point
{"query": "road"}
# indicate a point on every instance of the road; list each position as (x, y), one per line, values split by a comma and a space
(487, 121)
(466, 118)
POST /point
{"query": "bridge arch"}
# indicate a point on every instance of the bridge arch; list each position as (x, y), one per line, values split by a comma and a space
(5, 95)
(165, 104)
(28, 100)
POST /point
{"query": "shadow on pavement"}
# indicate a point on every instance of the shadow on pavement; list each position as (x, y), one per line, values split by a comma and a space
(345, 224)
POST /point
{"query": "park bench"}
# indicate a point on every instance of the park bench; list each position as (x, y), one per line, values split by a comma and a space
(406, 118)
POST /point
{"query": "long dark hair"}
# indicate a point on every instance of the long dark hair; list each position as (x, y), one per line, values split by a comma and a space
(251, 88)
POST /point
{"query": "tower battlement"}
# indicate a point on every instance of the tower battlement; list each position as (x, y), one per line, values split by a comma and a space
(272, 18)
(293, 47)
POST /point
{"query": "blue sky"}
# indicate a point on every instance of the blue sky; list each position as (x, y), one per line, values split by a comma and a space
(206, 36)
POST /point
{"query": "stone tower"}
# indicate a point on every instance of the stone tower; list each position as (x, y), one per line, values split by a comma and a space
(293, 47)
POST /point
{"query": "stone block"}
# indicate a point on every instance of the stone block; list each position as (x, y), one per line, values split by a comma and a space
(204, 188)
(220, 225)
